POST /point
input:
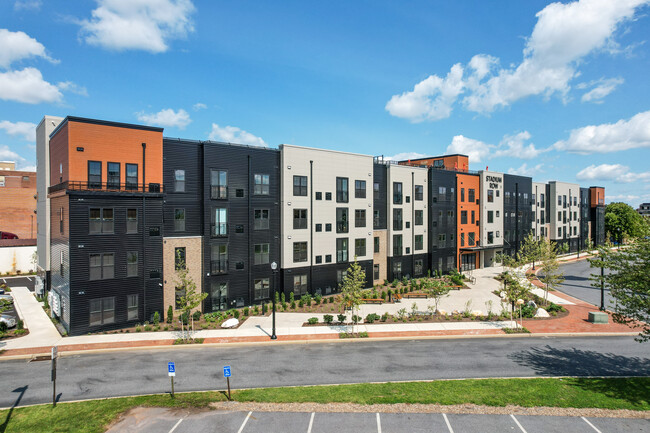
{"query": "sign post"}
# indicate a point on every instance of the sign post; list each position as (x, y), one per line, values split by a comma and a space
(171, 370)
(227, 374)
(55, 355)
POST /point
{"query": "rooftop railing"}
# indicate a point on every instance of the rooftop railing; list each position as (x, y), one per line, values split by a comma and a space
(107, 187)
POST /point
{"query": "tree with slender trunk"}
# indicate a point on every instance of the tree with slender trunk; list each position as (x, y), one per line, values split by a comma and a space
(188, 299)
(352, 288)
(551, 275)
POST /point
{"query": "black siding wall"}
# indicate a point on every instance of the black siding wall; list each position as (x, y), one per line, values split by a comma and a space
(380, 197)
(441, 257)
(519, 205)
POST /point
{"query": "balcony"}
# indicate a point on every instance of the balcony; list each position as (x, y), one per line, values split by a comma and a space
(155, 188)
(218, 192)
(218, 230)
(397, 251)
(219, 266)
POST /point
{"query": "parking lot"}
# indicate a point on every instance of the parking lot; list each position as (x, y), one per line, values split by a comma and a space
(173, 421)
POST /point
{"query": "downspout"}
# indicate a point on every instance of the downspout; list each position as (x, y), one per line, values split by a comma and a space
(413, 223)
(311, 225)
(516, 218)
(251, 294)
(144, 222)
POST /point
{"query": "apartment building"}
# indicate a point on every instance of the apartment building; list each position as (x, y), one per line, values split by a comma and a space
(18, 198)
(564, 210)
(597, 214)
(541, 218)
(491, 219)
(518, 214)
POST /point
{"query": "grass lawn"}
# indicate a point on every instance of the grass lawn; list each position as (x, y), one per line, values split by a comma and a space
(611, 393)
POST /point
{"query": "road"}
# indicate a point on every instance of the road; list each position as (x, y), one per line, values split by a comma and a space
(577, 283)
(26, 281)
(200, 368)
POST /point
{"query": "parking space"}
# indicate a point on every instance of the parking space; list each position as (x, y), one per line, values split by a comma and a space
(416, 422)
(620, 425)
(463, 423)
(26, 281)
(554, 424)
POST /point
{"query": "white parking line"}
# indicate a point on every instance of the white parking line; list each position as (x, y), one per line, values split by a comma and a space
(517, 422)
(592, 426)
(176, 425)
(29, 278)
(244, 423)
(311, 422)
(378, 423)
(451, 430)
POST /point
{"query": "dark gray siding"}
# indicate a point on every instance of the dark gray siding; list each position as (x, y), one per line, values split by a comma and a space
(183, 155)
(380, 197)
(517, 211)
(442, 259)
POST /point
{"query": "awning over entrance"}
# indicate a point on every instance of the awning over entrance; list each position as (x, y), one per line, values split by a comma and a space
(481, 248)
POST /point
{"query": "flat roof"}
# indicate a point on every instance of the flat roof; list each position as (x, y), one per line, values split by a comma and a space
(104, 123)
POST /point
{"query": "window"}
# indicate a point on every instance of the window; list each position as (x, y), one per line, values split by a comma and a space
(319, 260)
(397, 245)
(239, 193)
(60, 220)
(261, 186)
(490, 237)
(102, 311)
(219, 258)
(462, 194)
(261, 217)
(179, 294)
(341, 189)
(328, 227)
(94, 174)
(375, 218)
(319, 196)
(473, 217)
(397, 193)
(360, 218)
(559, 215)
(154, 231)
(2, 181)
(463, 217)
(341, 220)
(359, 189)
(113, 175)
(490, 216)
(61, 261)
(328, 258)
(442, 240)
(179, 258)
(341, 250)
(299, 219)
(419, 192)
(328, 196)
(179, 220)
(497, 214)
(462, 239)
(490, 196)
(506, 197)
(407, 224)
(132, 264)
(100, 221)
(131, 176)
(261, 254)
(375, 187)
(101, 266)
(442, 190)
(300, 185)
(471, 195)
(418, 267)
(359, 247)
(319, 227)
(397, 270)
(375, 272)
(419, 243)
(132, 307)
(299, 252)
(218, 184)
(470, 239)
(408, 199)
(419, 218)
(559, 231)
(239, 228)
(179, 180)
(131, 220)
(220, 222)
(262, 288)
(397, 219)
(376, 241)
(300, 284)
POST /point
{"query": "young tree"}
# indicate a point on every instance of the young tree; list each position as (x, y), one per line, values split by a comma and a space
(512, 290)
(530, 250)
(551, 274)
(352, 288)
(628, 279)
(437, 289)
(189, 298)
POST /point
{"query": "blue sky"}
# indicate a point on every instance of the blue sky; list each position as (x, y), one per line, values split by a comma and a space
(556, 91)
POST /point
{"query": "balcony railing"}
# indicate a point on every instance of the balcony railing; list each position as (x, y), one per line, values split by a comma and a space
(397, 251)
(218, 192)
(107, 186)
(219, 266)
(218, 230)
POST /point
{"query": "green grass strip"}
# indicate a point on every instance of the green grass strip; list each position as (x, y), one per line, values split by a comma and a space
(609, 393)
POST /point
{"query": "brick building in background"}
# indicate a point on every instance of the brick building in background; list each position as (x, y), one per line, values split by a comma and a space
(18, 201)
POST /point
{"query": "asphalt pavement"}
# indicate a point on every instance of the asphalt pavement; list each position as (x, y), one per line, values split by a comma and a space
(121, 373)
(26, 281)
(577, 283)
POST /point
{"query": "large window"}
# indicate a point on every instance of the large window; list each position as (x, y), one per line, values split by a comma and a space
(179, 180)
(94, 174)
(419, 218)
(360, 247)
(100, 221)
(219, 258)
(462, 239)
(397, 245)
(113, 175)
(341, 220)
(218, 184)
(376, 244)
(490, 195)
(219, 296)
(341, 189)
(131, 220)
(179, 220)
(341, 250)
(470, 239)
(299, 252)
(300, 185)
(132, 307)
(442, 240)
(360, 189)
(132, 176)
(261, 254)
(102, 311)
(397, 219)
(471, 195)
(375, 219)
(179, 258)
(101, 266)
(419, 243)
(262, 288)
(360, 218)
(132, 264)
(490, 238)
(220, 222)
(419, 192)
(490, 216)
(300, 284)
(261, 184)
(463, 217)
(397, 192)
(418, 267)
(462, 194)
(261, 217)
(299, 219)
(375, 272)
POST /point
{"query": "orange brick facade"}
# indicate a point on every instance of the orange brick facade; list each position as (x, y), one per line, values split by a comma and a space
(465, 182)
(18, 203)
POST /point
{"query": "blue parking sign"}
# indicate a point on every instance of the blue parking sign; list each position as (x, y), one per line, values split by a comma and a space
(226, 371)
(171, 369)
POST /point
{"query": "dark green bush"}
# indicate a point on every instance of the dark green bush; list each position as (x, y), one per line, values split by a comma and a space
(20, 324)
(156, 318)
(554, 308)
(196, 315)
(3, 327)
(356, 319)
(370, 318)
(341, 318)
(328, 318)
(246, 311)
(170, 314)
(312, 320)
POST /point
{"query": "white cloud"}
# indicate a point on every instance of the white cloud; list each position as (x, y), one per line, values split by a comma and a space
(602, 88)
(27, 5)
(562, 37)
(31, 167)
(404, 156)
(27, 86)
(7, 154)
(524, 170)
(430, 99)
(146, 25)
(613, 172)
(199, 106)
(232, 134)
(476, 150)
(609, 137)
(166, 118)
(18, 46)
(69, 86)
(25, 129)
(514, 146)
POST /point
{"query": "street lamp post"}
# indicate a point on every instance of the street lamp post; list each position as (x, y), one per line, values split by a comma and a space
(274, 268)
(602, 288)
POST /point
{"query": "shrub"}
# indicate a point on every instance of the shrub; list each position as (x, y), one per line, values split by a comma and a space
(328, 318)
(138, 329)
(394, 283)
(235, 314)
(170, 314)
(277, 297)
(166, 328)
(147, 328)
(318, 299)
(384, 317)
(256, 310)
(293, 305)
(356, 319)
(301, 303)
(3, 327)
(384, 295)
(306, 299)
(291, 297)
(263, 309)
(204, 326)
(312, 320)
(370, 318)
(196, 315)
(401, 313)
(554, 308)
(332, 300)
(282, 298)
(156, 318)
(20, 325)
(245, 311)
(341, 318)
